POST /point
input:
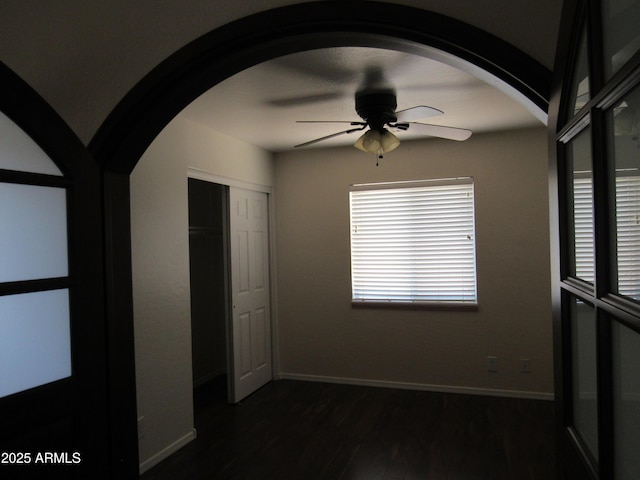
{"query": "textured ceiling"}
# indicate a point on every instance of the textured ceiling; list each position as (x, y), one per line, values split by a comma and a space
(261, 104)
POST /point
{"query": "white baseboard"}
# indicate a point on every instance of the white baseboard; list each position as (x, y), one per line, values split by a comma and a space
(420, 386)
(167, 451)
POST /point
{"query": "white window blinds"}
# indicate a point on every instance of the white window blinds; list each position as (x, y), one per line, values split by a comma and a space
(583, 227)
(628, 235)
(413, 242)
(627, 232)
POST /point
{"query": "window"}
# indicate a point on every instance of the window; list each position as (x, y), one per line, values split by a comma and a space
(413, 243)
(579, 165)
(627, 199)
(623, 120)
(583, 226)
(628, 234)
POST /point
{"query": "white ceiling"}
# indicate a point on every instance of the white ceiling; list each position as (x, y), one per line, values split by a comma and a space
(260, 105)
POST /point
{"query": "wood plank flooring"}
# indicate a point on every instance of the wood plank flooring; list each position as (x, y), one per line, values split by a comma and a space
(299, 430)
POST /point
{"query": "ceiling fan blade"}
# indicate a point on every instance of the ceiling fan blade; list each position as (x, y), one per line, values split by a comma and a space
(306, 100)
(311, 142)
(450, 133)
(331, 121)
(417, 113)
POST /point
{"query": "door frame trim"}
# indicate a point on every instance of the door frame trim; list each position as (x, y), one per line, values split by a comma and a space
(228, 181)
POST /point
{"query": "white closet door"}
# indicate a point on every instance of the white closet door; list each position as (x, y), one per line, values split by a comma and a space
(251, 323)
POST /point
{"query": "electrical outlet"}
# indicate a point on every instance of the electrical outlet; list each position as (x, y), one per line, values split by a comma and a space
(525, 365)
(492, 364)
(140, 427)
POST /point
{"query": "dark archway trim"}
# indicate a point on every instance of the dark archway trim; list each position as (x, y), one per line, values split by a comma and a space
(165, 91)
(23, 105)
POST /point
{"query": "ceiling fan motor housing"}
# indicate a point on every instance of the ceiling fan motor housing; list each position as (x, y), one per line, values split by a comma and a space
(376, 108)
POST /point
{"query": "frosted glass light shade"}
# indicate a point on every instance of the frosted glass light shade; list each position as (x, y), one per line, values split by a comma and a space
(33, 232)
(369, 142)
(35, 342)
(377, 142)
(389, 141)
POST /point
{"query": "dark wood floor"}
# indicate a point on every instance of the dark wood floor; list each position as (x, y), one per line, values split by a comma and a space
(298, 430)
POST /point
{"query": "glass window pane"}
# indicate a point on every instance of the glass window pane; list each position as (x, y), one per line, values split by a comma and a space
(33, 232)
(580, 205)
(580, 93)
(585, 391)
(625, 117)
(19, 152)
(35, 346)
(413, 243)
(621, 33)
(626, 392)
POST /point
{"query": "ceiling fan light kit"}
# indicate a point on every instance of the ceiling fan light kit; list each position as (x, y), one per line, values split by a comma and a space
(377, 142)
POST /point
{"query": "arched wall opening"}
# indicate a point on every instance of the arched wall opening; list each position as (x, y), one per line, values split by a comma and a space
(199, 66)
(191, 71)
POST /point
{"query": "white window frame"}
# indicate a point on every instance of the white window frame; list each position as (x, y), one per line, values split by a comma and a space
(413, 244)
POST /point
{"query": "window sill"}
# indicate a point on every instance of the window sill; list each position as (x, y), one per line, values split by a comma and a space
(415, 305)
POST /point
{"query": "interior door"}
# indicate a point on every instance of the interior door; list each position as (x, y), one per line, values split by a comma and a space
(595, 203)
(251, 319)
(53, 386)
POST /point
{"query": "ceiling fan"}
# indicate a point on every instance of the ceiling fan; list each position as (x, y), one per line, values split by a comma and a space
(377, 108)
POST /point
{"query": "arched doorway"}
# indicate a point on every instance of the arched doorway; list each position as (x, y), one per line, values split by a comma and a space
(149, 107)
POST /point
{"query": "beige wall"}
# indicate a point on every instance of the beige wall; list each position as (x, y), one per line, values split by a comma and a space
(322, 337)
(160, 258)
